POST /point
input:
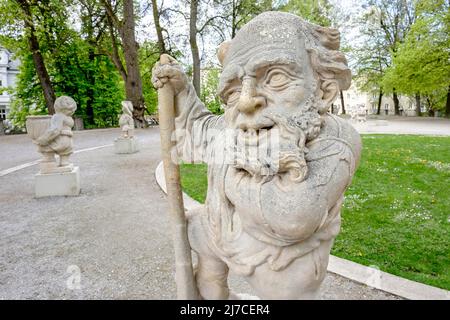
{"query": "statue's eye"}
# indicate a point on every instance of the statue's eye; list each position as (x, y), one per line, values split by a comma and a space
(233, 97)
(277, 79)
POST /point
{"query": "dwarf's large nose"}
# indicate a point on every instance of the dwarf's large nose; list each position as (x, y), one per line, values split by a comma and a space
(249, 101)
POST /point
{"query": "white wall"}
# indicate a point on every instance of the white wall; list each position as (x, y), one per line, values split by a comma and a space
(353, 98)
(8, 77)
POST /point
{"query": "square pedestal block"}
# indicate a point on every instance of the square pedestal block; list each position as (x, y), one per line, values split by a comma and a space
(57, 184)
(126, 145)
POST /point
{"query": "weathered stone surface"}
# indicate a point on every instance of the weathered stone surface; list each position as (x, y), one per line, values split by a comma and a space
(53, 136)
(58, 184)
(126, 121)
(278, 161)
(126, 145)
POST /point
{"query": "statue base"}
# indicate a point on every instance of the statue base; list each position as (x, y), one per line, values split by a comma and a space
(126, 145)
(57, 183)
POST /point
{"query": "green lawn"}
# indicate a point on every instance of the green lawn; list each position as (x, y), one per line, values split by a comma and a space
(396, 214)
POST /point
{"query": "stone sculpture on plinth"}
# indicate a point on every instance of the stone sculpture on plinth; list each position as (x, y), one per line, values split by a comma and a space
(53, 136)
(126, 143)
(278, 161)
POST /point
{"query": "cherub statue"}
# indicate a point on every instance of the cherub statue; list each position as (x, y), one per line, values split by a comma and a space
(57, 139)
(269, 216)
(126, 121)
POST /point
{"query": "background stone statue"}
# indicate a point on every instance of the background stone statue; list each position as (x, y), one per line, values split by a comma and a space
(54, 137)
(278, 162)
(126, 121)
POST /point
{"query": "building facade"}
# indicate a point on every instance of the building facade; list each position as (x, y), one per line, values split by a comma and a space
(9, 70)
(354, 100)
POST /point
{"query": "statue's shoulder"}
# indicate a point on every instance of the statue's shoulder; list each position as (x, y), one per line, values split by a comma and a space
(338, 127)
(336, 136)
(58, 119)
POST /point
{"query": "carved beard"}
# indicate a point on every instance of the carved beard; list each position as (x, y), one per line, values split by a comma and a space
(281, 149)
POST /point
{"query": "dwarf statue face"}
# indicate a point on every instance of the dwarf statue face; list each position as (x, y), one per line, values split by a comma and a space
(273, 82)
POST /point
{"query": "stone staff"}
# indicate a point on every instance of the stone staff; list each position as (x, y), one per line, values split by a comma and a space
(184, 275)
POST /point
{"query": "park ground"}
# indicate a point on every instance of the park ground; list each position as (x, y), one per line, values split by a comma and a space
(115, 233)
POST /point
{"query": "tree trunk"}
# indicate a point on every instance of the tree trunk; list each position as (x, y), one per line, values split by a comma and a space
(161, 44)
(380, 96)
(233, 19)
(342, 101)
(133, 84)
(38, 59)
(430, 108)
(396, 103)
(90, 91)
(418, 112)
(194, 46)
(447, 104)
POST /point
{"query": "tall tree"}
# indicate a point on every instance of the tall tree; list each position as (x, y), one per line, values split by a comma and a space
(420, 66)
(194, 46)
(26, 11)
(315, 11)
(371, 56)
(74, 68)
(158, 28)
(393, 21)
(239, 12)
(93, 27)
(130, 72)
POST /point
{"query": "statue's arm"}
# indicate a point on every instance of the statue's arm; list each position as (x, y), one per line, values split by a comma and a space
(296, 211)
(195, 126)
(293, 211)
(299, 209)
(56, 125)
(193, 122)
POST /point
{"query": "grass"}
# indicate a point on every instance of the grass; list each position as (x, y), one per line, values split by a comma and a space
(396, 213)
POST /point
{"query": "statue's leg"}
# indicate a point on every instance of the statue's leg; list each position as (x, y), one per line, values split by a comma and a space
(211, 273)
(48, 157)
(64, 160)
(301, 279)
(211, 277)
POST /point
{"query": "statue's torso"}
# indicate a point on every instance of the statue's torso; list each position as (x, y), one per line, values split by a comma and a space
(246, 233)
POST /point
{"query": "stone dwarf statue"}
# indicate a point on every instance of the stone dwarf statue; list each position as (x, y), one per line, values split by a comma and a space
(57, 139)
(126, 121)
(269, 216)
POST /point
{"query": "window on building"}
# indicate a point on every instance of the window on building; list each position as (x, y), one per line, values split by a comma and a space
(2, 112)
(1, 84)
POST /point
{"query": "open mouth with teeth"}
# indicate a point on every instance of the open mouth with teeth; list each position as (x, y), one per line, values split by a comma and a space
(256, 148)
(252, 137)
(253, 133)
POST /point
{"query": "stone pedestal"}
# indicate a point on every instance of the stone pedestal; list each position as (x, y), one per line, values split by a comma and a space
(58, 184)
(126, 145)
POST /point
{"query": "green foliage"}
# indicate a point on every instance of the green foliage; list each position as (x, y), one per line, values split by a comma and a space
(28, 98)
(315, 11)
(209, 95)
(246, 10)
(74, 66)
(148, 56)
(421, 63)
(402, 229)
(372, 54)
(405, 47)
(108, 92)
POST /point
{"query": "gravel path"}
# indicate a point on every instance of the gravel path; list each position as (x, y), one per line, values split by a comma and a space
(115, 235)
(405, 125)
